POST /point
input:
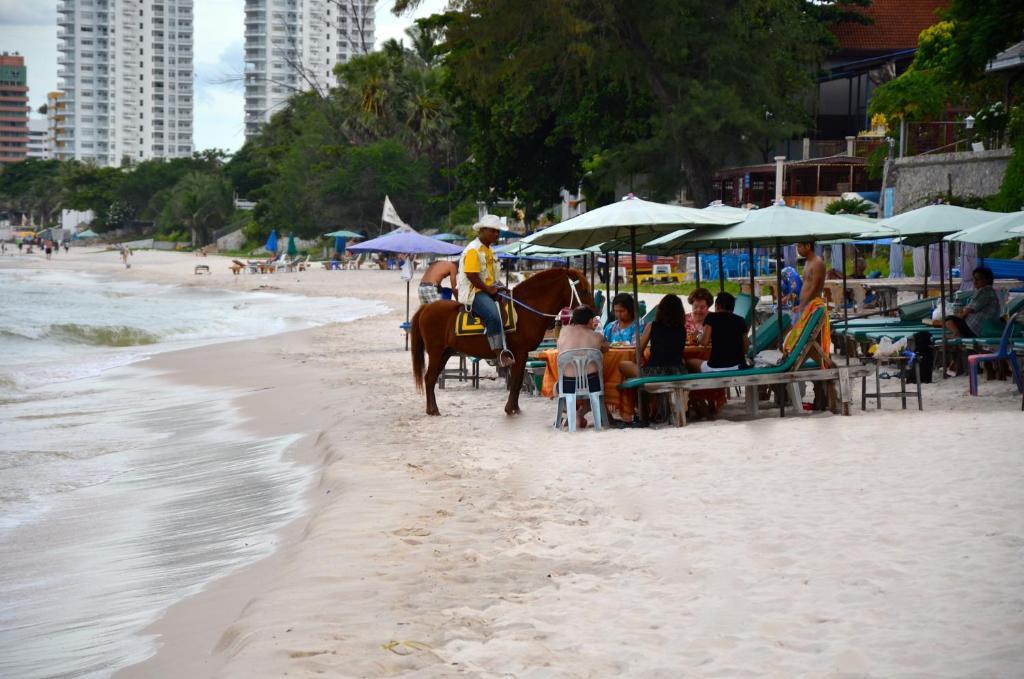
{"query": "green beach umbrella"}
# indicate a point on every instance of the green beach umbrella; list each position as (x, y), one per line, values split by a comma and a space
(929, 224)
(1004, 227)
(88, 233)
(342, 233)
(292, 250)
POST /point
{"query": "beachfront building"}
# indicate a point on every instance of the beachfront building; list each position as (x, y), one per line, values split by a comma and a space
(56, 126)
(37, 139)
(126, 73)
(13, 108)
(293, 45)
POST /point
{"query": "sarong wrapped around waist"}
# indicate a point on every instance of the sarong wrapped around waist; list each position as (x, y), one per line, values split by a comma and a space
(794, 333)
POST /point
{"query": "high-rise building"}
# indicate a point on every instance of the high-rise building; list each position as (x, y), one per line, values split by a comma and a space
(293, 45)
(37, 139)
(13, 108)
(126, 72)
(56, 127)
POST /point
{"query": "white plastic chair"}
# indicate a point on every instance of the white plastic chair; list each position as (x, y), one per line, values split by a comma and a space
(581, 360)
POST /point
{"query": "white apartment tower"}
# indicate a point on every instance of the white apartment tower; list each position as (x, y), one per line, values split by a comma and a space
(126, 73)
(293, 45)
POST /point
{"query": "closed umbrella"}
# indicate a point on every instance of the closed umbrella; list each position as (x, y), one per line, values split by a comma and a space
(896, 261)
(292, 250)
(271, 245)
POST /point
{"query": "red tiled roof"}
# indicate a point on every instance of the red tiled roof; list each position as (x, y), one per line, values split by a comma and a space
(895, 25)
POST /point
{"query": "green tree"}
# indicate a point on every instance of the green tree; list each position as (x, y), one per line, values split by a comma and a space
(983, 29)
(669, 88)
(33, 188)
(200, 203)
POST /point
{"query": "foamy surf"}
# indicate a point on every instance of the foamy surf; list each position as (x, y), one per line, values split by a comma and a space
(121, 492)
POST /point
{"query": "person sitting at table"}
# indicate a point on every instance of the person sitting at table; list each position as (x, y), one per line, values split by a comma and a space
(623, 327)
(580, 334)
(666, 335)
(700, 303)
(726, 334)
(981, 317)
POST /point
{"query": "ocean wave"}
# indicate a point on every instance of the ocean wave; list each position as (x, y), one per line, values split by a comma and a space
(101, 335)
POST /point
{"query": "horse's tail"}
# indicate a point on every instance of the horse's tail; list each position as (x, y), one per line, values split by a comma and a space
(417, 350)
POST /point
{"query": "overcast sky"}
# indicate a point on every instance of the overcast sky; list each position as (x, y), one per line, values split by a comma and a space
(29, 27)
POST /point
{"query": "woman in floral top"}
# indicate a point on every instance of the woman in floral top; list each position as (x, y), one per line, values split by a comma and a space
(700, 302)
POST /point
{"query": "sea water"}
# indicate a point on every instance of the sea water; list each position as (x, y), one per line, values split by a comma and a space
(121, 492)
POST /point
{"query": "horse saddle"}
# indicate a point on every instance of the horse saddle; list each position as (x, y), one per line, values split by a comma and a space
(467, 323)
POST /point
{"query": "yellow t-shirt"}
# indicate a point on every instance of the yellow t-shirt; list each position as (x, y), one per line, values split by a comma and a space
(471, 263)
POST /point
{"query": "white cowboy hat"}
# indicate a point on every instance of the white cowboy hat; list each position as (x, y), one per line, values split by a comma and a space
(489, 222)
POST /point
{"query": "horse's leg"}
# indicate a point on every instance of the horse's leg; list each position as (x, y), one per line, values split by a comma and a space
(434, 368)
(515, 386)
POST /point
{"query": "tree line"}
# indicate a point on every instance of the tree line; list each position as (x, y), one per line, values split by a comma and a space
(494, 100)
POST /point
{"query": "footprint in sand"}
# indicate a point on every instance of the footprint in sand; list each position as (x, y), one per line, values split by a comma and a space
(418, 532)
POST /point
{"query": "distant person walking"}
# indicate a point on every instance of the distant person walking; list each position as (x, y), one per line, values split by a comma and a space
(48, 249)
(67, 246)
(125, 254)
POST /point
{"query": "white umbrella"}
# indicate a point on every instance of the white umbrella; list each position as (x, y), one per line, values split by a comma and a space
(929, 223)
(629, 218)
(1003, 227)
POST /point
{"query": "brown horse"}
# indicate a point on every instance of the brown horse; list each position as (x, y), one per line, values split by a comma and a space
(538, 299)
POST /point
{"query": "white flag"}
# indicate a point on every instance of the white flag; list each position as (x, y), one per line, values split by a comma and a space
(390, 216)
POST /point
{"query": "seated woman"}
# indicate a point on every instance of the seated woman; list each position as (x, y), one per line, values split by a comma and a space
(982, 316)
(580, 334)
(623, 327)
(666, 336)
(700, 303)
(726, 334)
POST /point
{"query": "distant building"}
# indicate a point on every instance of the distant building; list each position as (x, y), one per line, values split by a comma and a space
(57, 127)
(13, 109)
(126, 73)
(293, 46)
(868, 56)
(37, 139)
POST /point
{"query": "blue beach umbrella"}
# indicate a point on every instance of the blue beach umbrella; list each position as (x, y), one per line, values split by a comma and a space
(271, 245)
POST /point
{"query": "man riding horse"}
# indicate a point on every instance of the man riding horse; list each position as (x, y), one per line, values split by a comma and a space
(479, 287)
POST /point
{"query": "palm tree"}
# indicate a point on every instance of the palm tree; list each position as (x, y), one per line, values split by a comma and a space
(200, 202)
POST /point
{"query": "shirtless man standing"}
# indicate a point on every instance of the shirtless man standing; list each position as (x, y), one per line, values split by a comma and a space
(810, 301)
(814, 275)
(430, 284)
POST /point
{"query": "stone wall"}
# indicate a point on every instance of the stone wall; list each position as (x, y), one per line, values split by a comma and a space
(919, 178)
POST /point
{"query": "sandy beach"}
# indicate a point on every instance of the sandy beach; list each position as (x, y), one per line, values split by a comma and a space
(886, 544)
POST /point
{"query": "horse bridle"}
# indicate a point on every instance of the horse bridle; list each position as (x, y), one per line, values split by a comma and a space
(572, 289)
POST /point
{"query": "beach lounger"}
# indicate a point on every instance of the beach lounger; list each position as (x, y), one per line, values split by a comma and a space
(791, 371)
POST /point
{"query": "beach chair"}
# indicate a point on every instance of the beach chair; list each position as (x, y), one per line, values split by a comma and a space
(768, 334)
(744, 307)
(1004, 352)
(794, 369)
(581, 360)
